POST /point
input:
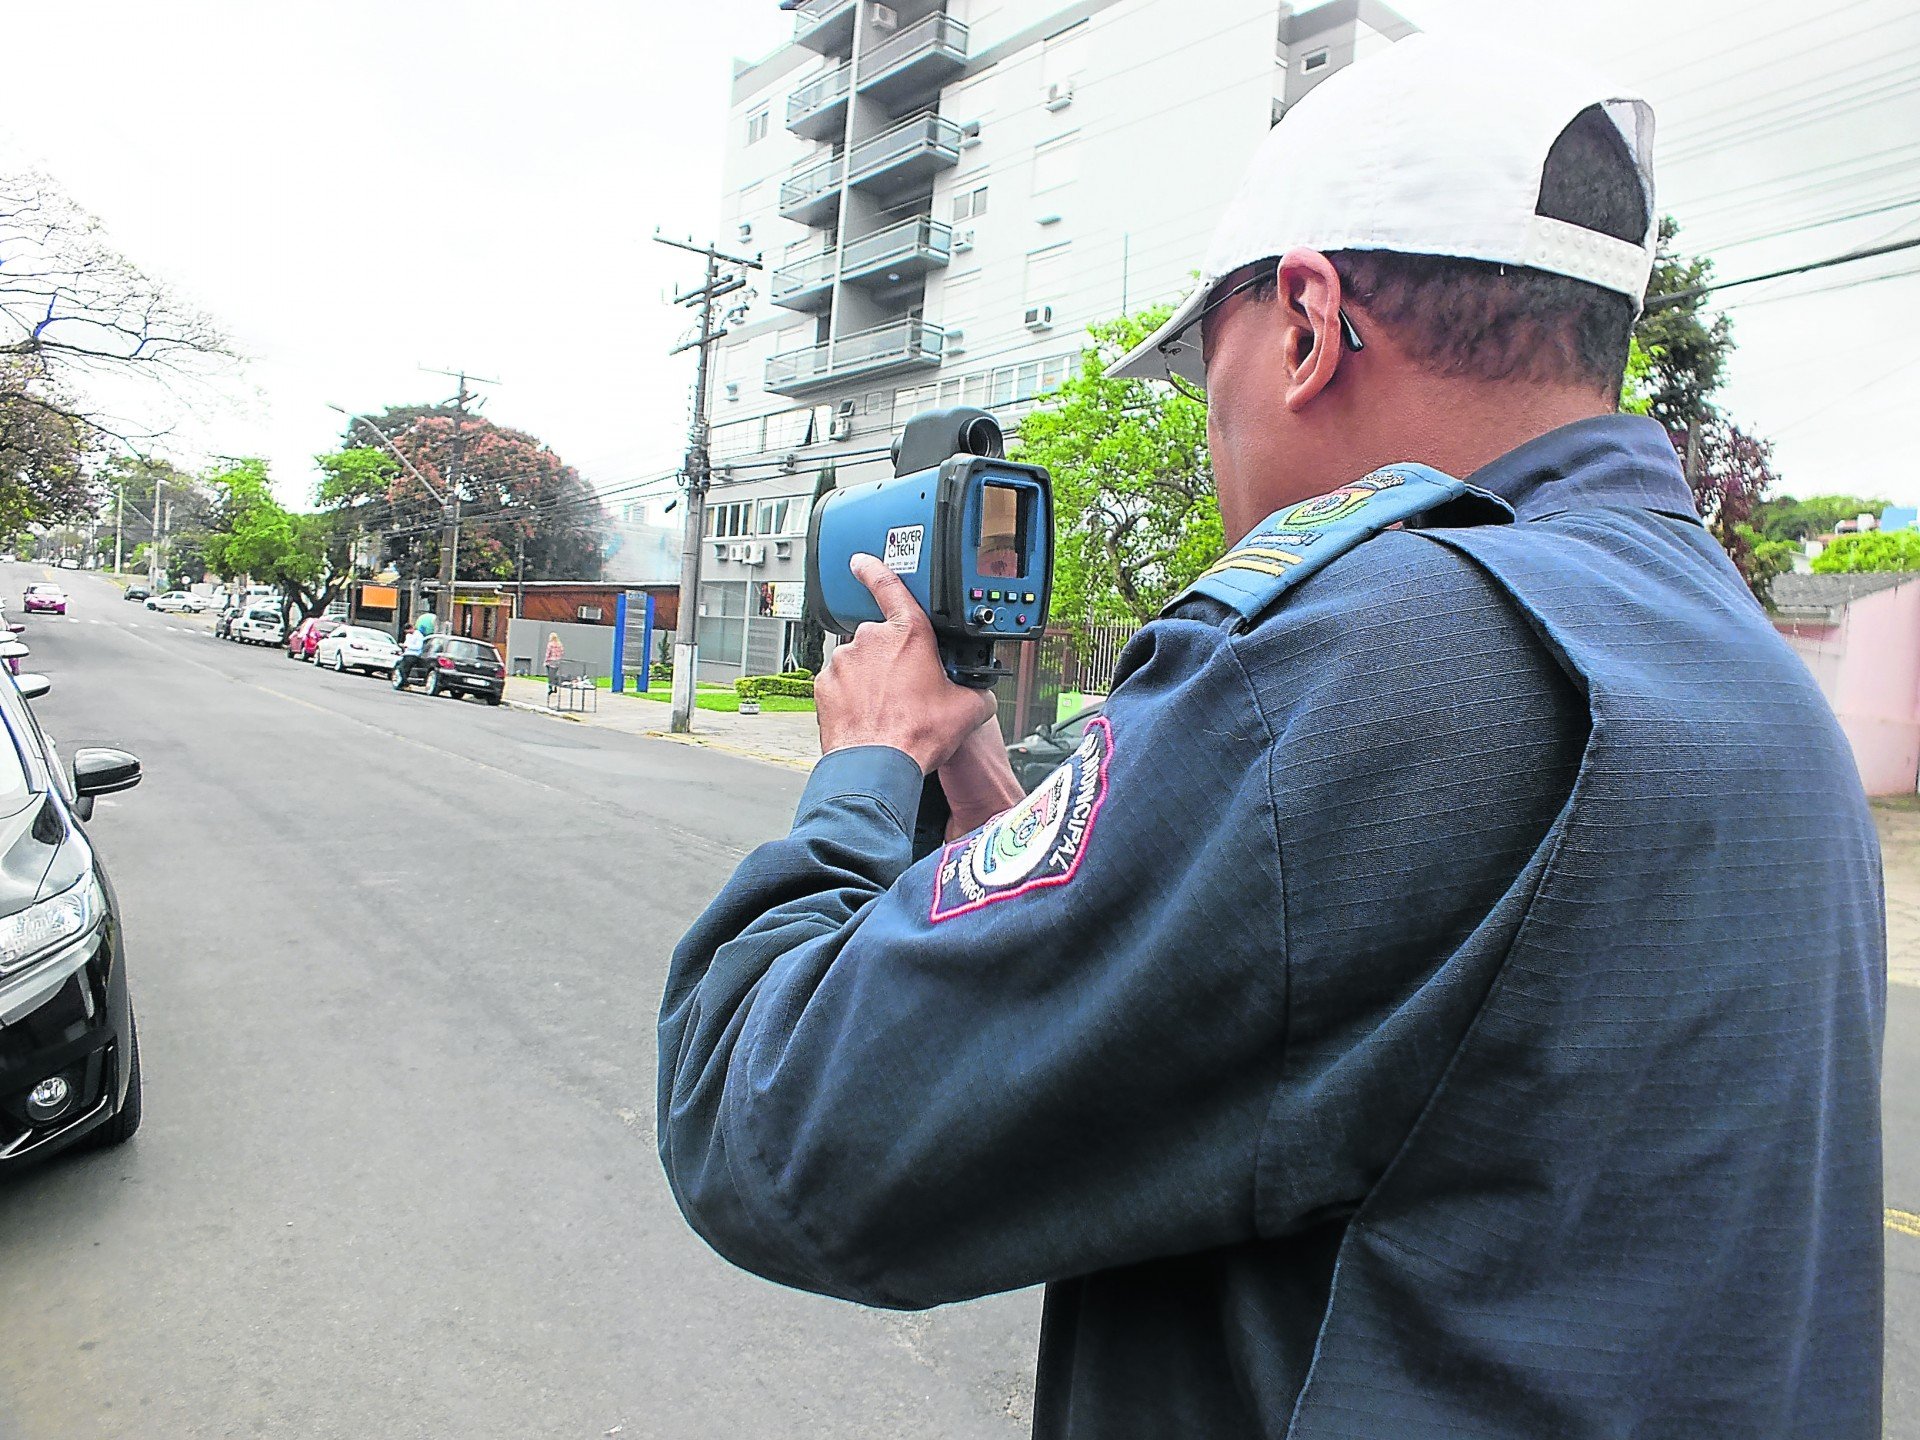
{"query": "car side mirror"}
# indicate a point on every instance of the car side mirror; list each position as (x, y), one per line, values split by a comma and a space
(14, 650)
(14, 627)
(32, 687)
(99, 771)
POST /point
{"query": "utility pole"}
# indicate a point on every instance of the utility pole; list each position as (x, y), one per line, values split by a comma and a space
(449, 561)
(119, 521)
(696, 474)
(153, 549)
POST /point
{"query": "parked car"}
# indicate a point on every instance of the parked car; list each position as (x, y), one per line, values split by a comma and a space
(258, 625)
(355, 647)
(178, 601)
(70, 1070)
(137, 591)
(454, 665)
(69, 564)
(308, 634)
(1046, 750)
(44, 597)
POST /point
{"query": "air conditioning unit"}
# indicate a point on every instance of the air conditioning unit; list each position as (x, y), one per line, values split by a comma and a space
(755, 554)
(1039, 317)
(738, 550)
(969, 134)
(956, 341)
(840, 428)
(1059, 95)
(733, 389)
(885, 18)
(962, 241)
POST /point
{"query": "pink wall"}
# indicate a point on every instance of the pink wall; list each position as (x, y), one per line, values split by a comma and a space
(1868, 667)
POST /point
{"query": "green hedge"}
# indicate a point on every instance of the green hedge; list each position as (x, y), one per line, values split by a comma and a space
(759, 687)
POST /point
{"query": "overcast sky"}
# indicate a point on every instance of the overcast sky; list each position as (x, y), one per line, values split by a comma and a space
(357, 190)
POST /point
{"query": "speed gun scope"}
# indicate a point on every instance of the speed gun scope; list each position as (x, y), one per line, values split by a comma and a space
(969, 531)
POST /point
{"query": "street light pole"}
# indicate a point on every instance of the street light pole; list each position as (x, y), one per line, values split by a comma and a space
(697, 470)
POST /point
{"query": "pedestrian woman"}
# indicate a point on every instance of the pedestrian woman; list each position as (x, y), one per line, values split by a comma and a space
(556, 652)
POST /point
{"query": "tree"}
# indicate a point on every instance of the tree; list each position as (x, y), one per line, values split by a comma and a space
(1789, 519)
(1137, 516)
(73, 309)
(308, 556)
(1732, 473)
(516, 496)
(810, 650)
(138, 489)
(1685, 351)
(43, 454)
(1874, 550)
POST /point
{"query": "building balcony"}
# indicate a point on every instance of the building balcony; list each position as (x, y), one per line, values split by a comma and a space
(825, 26)
(805, 284)
(888, 349)
(900, 252)
(818, 111)
(908, 154)
(811, 196)
(922, 57)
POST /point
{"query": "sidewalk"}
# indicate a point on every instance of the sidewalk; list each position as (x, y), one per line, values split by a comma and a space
(792, 740)
(1899, 824)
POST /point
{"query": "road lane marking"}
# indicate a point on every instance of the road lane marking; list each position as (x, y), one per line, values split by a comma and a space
(1904, 1221)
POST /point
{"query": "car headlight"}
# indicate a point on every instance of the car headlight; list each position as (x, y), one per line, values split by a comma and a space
(47, 924)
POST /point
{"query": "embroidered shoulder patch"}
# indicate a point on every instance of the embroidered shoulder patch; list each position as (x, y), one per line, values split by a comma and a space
(1040, 842)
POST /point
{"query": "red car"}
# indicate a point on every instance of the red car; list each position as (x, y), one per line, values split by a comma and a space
(309, 633)
(44, 597)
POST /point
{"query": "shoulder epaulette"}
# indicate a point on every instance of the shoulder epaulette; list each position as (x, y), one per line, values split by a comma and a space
(1291, 544)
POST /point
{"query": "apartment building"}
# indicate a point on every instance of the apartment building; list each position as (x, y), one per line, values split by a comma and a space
(946, 193)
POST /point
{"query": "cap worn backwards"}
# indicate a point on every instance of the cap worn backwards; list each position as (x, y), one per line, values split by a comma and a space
(1435, 146)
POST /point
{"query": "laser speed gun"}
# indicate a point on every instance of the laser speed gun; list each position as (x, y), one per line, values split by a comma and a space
(970, 532)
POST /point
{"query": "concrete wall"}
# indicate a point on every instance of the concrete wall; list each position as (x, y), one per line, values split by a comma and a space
(1868, 667)
(591, 645)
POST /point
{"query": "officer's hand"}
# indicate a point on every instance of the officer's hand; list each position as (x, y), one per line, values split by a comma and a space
(886, 686)
(979, 780)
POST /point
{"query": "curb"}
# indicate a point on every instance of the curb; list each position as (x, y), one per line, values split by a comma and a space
(786, 762)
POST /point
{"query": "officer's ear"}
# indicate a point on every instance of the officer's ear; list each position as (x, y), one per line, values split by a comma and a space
(1309, 309)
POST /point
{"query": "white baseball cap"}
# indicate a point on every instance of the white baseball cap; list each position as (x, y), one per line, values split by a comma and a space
(1434, 146)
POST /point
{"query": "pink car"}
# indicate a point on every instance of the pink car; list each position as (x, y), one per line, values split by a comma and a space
(44, 597)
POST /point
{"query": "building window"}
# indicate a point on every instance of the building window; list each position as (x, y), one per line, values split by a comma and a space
(757, 126)
(1313, 60)
(970, 204)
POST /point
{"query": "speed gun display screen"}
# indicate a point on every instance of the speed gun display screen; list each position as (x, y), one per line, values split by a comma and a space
(1001, 544)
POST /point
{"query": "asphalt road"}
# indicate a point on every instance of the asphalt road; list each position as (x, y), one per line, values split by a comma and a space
(396, 962)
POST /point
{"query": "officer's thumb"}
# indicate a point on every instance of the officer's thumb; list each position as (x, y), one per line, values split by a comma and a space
(889, 591)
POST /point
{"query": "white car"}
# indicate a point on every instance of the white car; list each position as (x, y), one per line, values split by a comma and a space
(178, 600)
(260, 625)
(354, 647)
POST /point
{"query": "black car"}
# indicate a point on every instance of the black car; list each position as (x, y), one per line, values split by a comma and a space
(454, 665)
(69, 1059)
(138, 592)
(1044, 751)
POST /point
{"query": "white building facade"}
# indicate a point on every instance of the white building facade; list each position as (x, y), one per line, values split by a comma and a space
(946, 193)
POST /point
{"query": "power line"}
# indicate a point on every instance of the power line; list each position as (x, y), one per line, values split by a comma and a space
(1661, 302)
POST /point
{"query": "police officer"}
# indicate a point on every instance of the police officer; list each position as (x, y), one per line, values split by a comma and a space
(1442, 994)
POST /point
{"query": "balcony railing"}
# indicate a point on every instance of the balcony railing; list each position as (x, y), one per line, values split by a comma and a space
(811, 195)
(805, 284)
(825, 26)
(909, 151)
(910, 248)
(919, 58)
(897, 345)
(816, 109)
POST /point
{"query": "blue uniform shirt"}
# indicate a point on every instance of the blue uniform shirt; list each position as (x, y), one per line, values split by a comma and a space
(1444, 1003)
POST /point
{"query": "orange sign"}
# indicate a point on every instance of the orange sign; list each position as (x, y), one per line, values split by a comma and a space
(379, 597)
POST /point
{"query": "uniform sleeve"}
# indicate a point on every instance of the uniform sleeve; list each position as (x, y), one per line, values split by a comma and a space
(1046, 1050)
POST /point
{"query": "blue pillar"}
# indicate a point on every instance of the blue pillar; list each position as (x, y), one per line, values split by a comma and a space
(619, 642)
(646, 647)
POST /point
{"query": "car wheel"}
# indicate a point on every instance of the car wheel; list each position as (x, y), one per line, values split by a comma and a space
(493, 699)
(340, 661)
(292, 654)
(126, 1120)
(398, 679)
(433, 685)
